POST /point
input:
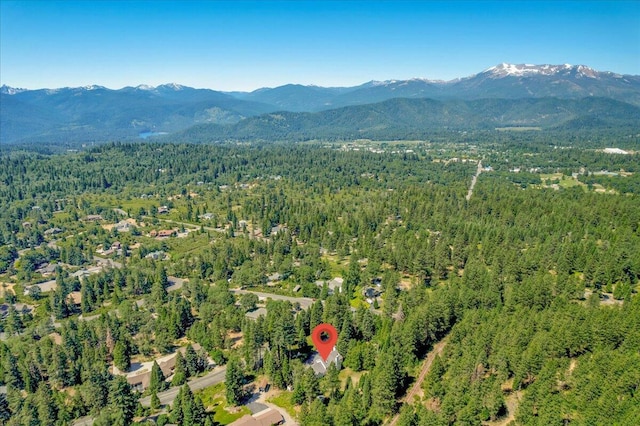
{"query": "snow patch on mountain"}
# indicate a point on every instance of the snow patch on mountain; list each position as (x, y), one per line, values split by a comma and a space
(520, 70)
(8, 90)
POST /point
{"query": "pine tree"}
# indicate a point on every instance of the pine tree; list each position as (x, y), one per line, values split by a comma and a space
(157, 381)
(47, 410)
(234, 379)
(121, 356)
(331, 381)
(180, 372)
(5, 411)
(155, 401)
(12, 372)
(122, 399)
(191, 361)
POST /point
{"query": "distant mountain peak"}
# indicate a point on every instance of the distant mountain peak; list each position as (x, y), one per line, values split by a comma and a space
(392, 82)
(520, 70)
(171, 86)
(8, 90)
(144, 87)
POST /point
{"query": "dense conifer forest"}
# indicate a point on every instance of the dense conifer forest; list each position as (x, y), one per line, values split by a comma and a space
(516, 296)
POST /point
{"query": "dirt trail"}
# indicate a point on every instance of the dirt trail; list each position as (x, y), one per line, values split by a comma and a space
(474, 180)
(417, 386)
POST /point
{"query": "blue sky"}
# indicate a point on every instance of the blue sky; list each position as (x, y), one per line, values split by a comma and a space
(247, 45)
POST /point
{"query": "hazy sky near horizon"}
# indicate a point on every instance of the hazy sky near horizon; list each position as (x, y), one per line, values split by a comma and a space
(247, 45)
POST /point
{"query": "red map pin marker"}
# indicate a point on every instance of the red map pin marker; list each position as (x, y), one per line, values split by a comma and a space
(324, 336)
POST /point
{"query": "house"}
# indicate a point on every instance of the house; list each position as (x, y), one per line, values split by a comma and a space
(336, 284)
(266, 417)
(140, 382)
(156, 255)
(206, 216)
(371, 293)
(47, 269)
(75, 298)
(320, 366)
(101, 250)
(163, 209)
(124, 226)
(166, 233)
(269, 417)
(333, 285)
(277, 229)
(52, 231)
(81, 274)
(274, 277)
(256, 313)
(167, 365)
(93, 218)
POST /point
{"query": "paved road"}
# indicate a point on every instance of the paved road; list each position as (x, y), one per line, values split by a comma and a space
(167, 397)
(305, 302)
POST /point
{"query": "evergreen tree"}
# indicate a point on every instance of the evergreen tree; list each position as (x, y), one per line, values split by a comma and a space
(191, 361)
(122, 400)
(180, 371)
(234, 380)
(5, 411)
(155, 400)
(122, 356)
(331, 381)
(47, 410)
(157, 381)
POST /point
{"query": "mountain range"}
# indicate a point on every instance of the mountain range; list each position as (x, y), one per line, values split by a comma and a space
(547, 96)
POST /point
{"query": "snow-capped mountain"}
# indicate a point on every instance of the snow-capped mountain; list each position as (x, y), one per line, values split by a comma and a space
(7, 90)
(508, 81)
(512, 70)
(99, 113)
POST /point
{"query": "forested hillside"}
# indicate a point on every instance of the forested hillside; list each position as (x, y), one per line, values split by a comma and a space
(528, 281)
(407, 119)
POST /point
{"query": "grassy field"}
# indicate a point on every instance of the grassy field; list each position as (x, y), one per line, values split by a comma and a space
(562, 180)
(214, 401)
(347, 372)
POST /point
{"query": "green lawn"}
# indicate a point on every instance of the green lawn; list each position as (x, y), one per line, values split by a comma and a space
(283, 400)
